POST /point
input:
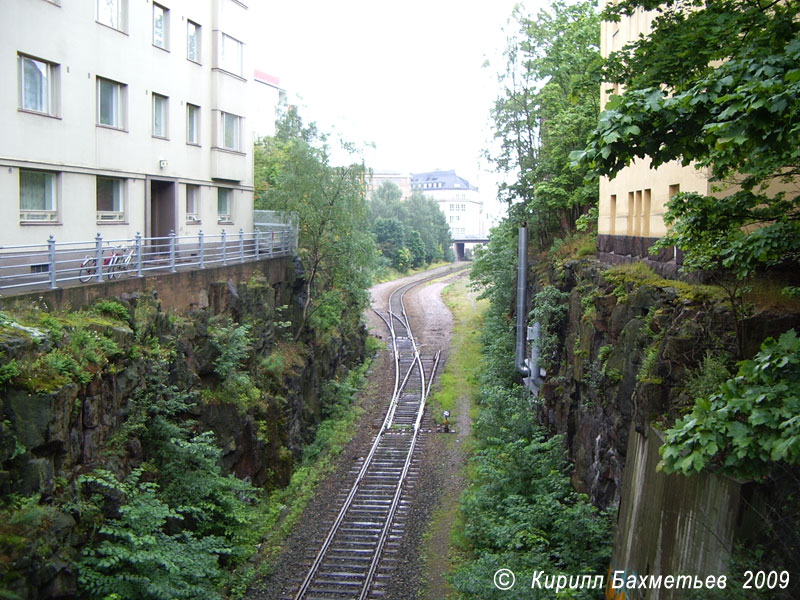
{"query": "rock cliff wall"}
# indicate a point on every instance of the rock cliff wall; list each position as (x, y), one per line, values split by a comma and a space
(67, 379)
(627, 343)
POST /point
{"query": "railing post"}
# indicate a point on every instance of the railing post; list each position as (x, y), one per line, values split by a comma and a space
(258, 244)
(201, 249)
(272, 242)
(241, 245)
(224, 248)
(51, 252)
(138, 243)
(172, 250)
(98, 257)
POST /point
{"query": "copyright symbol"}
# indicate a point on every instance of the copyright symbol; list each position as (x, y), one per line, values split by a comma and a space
(504, 579)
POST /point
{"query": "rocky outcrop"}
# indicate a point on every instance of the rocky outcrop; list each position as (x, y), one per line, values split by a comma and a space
(57, 425)
(628, 341)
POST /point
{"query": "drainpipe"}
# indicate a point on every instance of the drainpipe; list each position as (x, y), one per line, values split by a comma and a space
(522, 296)
(528, 368)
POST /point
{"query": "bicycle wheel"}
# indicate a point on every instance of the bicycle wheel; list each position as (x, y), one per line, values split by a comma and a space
(88, 270)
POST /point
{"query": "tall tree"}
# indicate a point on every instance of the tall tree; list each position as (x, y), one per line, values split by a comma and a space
(335, 248)
(549, 104)
(426, 234)
(717, 84)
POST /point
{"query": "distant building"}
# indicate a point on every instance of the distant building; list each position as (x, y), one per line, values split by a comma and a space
(378, 178)
(121, 117)
(460, 202)
(267, 96)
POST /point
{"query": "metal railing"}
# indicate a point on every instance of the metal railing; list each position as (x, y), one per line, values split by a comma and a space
(56, 264)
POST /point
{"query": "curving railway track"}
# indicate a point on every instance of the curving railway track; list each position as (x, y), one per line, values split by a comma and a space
(358, 553)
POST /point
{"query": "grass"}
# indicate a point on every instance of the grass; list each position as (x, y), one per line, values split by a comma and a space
(458, 381)
(638, 273)
(459, 376)
(766, 293)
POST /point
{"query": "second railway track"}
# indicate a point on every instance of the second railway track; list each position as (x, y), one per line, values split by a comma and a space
(357, 554)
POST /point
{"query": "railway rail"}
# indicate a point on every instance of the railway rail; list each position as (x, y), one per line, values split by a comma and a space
(355, 558)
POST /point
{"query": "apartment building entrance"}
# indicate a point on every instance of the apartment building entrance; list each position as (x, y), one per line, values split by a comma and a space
(162, 212)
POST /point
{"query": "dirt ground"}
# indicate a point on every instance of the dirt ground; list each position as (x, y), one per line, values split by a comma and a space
(425, 545)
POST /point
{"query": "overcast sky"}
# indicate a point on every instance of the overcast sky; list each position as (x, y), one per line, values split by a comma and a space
(406, 76)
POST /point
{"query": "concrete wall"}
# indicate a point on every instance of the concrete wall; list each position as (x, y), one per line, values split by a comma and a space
(178, 292)
(670, 524)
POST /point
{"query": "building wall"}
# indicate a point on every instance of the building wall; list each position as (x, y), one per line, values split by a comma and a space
(634, 202)
(71, 144)
(460, 202)
(378, 178)
(267, 96)
(463, 210)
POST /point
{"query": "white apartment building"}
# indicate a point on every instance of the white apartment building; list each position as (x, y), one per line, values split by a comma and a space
(460, 202)
(124, 116)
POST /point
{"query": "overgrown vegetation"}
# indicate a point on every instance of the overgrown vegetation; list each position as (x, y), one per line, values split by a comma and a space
(548, 105)
(520, 512)
(293, 172)
(749, 422)
(410, 233)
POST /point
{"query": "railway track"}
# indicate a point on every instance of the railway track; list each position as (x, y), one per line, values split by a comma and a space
(357, 555)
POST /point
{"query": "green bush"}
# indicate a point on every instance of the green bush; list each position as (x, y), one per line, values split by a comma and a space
(750, 422)
(232, 343)
(139, 556)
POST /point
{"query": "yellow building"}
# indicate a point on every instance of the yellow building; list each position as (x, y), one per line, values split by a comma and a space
(632, 204)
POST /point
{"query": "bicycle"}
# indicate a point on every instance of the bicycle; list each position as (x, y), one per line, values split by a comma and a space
(89, 266)
(124, 263)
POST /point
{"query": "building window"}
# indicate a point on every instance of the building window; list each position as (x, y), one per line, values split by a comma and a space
(192, 203)
(612, 212)
(224, 205)
(160, 106)
(646, 201)
(231, 55)
(193, 41)
(37, 197)
(160, 26)
(112, 13)
(110, 200)
(230, 129)
(630, 214)
(674, 190)
(192, 124)
(38, 85)
(110, 103)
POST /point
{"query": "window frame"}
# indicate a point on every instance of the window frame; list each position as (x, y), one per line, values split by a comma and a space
(51, 87)
(224, 129)
(121, 15)
(198, 58)
(164, 45)
(225, 58)
(193, 119)
(119, 104)
(226, 193)
(193, 215)
(113, 216)
(162, 135)
(40, 216)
